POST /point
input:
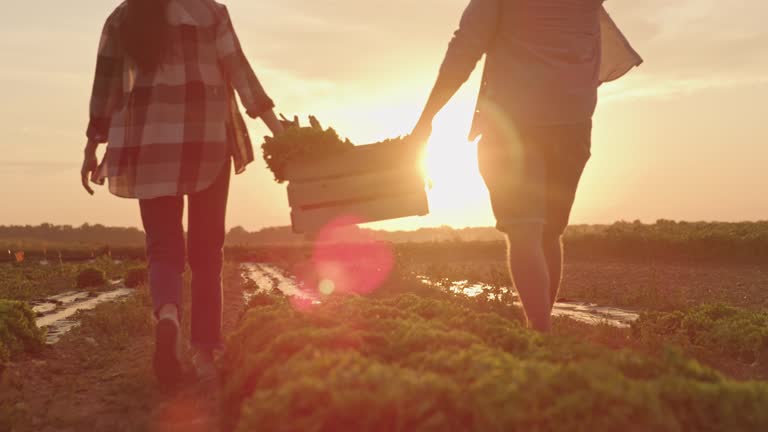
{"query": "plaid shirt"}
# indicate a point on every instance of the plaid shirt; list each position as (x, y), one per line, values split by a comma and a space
(172, 131)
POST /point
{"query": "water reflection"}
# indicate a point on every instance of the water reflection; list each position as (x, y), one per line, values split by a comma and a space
(55, 312)
(268, 277)
(582, 312)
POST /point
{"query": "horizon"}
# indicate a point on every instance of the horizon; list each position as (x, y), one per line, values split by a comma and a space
(370, 227)
(677, 139)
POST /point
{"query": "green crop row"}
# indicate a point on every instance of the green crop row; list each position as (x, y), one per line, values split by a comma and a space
(32, 280)
(709, 331)
(18, 331)
(426, 361)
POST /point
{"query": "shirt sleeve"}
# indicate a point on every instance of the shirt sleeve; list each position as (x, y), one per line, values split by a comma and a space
(238, 70)
(107, 85)
(475, 34)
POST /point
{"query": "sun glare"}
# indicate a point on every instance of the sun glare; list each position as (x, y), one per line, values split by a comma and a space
(457, 196)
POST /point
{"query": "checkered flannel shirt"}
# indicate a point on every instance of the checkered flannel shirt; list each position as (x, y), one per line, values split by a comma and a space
(171, 132)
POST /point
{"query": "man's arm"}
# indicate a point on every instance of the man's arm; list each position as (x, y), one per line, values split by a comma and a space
(469, 43)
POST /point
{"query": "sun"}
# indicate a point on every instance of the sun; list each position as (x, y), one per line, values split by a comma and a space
(458, 196)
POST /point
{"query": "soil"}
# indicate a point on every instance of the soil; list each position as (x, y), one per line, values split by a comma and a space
(75, 386)
(662, 287)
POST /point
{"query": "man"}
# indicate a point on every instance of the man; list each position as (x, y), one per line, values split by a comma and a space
(545, 60)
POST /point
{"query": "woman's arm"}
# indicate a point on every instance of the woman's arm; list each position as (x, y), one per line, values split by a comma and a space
(239, 71)
(270, 119)
(107, 85)
(105, 97)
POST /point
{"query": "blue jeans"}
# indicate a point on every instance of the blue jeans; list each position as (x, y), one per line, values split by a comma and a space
(162, 218)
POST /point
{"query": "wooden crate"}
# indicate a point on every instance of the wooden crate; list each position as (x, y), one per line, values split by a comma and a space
(366, 184)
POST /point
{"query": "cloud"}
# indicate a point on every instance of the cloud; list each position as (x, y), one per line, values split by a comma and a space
(696, 36)
(691, 46)
(14, 168)
(646, 87)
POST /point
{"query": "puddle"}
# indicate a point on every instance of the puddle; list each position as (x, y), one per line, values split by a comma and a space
(582, 312)
(594, 314)
(268, 277)
(255, 273)
(56, 312)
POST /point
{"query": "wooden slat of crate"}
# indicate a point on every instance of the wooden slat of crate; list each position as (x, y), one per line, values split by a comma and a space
(309, 221)
(359, 187)
(359, 160)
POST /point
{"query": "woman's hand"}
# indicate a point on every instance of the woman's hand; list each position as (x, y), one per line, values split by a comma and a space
(90, 164)
(270, 119)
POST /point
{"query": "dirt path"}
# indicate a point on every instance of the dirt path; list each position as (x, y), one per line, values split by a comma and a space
(88, 383)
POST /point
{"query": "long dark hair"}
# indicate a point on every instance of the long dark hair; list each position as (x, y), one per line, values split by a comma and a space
(144, 32)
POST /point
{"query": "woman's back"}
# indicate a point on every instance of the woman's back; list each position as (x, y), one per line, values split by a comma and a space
(191, 46)
(170, 126)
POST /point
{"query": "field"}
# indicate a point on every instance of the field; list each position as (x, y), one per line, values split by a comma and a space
(435, 343)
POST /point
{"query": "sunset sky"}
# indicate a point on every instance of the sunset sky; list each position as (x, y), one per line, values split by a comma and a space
(685, 136)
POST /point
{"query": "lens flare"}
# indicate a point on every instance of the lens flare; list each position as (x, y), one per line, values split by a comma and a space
(346, 260)
(326, 287)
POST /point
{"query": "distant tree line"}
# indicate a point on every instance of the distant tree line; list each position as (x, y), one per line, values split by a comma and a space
(52, 236)
(86, 234)
(662, 240)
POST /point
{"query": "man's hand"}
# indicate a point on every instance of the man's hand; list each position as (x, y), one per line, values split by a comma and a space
(422, 131)
(90, 164)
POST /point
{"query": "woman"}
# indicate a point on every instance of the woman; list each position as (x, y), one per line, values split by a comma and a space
(163, 99)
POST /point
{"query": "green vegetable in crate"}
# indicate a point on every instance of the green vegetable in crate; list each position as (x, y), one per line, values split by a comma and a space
(300, 143)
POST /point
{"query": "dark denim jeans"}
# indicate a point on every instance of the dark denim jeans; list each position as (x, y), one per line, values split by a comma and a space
(162, 218)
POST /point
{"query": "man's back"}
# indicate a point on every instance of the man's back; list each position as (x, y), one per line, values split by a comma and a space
(543, 56)
(544, 64)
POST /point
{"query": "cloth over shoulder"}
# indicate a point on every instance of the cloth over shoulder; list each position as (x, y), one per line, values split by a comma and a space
(618, 56)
